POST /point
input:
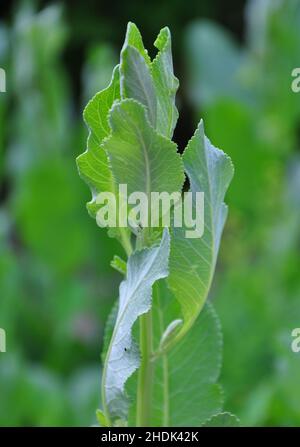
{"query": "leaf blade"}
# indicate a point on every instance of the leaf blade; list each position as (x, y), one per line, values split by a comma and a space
(192, 261)
(137, 82)
(93, 164)
(189, 372)
(222, 420)
(143, 269)
(133, 38)
(134, 147)
(166, 84)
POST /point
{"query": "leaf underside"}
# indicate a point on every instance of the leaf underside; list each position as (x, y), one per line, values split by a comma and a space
(143, 269)
(192, 261)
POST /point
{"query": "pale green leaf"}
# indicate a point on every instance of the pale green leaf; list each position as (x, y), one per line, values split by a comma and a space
(153, 84)
(185, 388)
(192, 261)
(143, 269)
(134, 39)
(94, 170)
(137, 81)
(140, 157)
(166, 84)
(93, 163)
(96, 112)
(222, 420)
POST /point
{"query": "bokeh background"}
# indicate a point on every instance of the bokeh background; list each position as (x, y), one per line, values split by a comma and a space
(234, 60)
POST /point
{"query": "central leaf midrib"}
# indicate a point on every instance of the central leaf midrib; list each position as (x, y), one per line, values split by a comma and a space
(212, 247)
(146, 162)
(119, 320)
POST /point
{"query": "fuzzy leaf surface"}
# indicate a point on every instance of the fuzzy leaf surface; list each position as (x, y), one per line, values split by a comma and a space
(222, 420)
(192, 261)
(93, 163)
(140, 157)
(166, 84)
(185, 388)
(143, 269)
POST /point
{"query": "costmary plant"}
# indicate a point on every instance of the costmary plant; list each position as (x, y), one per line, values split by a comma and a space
(163, 343)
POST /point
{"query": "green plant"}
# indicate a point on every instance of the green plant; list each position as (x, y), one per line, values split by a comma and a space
(169, 377)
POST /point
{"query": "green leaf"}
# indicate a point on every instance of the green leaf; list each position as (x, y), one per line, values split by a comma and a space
(192, 261)
(137, 81)
(153, 84)
(185, 392)
(222, 420)
(139, 156)
(119, 264)
(101, 418)
(94, 170)
(96, 112)
(134, 39)
(93, 163)
(185, 388)
(143, 269)
(166, 84)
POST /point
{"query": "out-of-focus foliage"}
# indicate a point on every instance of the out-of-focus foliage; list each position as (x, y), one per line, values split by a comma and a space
(55, 280)
(101, 60)
(245, 96)
(3, 60)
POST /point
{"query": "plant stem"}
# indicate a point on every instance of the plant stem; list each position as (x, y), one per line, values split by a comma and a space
(166, 409)
(166, 412)
(145, 376)
(125, 240)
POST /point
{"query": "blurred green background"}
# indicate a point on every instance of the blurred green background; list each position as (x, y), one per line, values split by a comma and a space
(234, 60)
